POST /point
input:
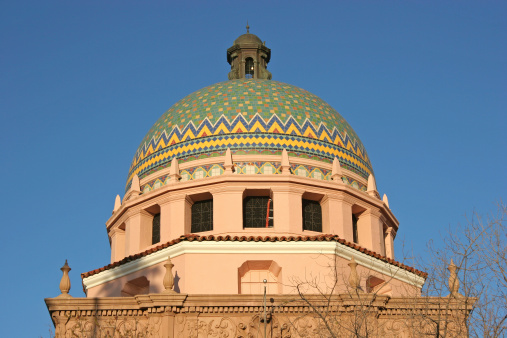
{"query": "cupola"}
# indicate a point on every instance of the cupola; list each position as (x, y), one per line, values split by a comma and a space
(249, 57)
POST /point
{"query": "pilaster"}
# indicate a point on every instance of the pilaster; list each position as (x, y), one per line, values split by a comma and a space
(175, 217)
(337, 216)
(228, 209)
(138, 230)
(117, 244)
(165, 221)
(288, 209)
(389, 242)
(370, 230)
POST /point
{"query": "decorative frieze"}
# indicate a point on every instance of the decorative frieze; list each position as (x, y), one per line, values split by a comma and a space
(162, 315)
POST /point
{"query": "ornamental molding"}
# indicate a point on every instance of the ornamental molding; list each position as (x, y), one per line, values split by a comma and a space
(391, 231)
(220, 304)
(115, 232)
(225, 247)
(288, 189)
(251, 158)
(340, 197)
(373, 212)
(226, 190)
(177, 197)
(219, 183)
(242, 315)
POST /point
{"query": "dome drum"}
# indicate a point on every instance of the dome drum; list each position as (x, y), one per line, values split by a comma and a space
(339, 200)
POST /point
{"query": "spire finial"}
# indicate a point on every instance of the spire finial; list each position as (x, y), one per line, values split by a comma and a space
(336, 173)
(285, 165)
(247, 27)
(174, 171)
(65, 282)
(168, 277)
(228, 164)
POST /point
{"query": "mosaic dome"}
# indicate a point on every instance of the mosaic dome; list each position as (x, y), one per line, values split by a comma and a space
(250, 116)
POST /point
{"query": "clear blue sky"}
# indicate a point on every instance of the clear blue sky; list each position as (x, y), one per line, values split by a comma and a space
(423, 83)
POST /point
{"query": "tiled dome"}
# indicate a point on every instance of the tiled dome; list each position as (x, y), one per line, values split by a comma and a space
(248, 38)
(250, 117)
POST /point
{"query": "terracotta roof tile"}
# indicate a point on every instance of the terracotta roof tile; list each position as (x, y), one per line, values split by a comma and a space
(193, 237)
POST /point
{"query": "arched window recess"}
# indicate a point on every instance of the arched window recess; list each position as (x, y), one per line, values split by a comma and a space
(249, 68)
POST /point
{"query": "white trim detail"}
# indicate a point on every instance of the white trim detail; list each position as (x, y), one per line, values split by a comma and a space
(230, 247)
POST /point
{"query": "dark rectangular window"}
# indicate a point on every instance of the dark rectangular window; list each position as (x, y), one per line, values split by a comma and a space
(312, 215)
(202, 216)
(354, 229)
(155, 229)
(257, 212)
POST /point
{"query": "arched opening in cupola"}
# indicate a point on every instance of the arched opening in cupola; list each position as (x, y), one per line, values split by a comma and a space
(249, 68)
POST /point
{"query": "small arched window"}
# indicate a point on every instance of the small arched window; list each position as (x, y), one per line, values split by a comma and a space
(249, 68)
(202, 216)
(312, 215)
(253, 273)
(155, 229)
(138, 286)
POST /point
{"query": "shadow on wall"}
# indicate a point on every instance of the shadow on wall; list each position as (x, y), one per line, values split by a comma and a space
(176, 282)
(137, 286)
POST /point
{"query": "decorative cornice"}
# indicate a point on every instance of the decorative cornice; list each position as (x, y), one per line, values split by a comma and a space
(241, 178)
(115, 231)
(372, 211)
(217, 183)
(391, 231)
(288, 189)
(248, 304)
(339, 197)
(226, 190)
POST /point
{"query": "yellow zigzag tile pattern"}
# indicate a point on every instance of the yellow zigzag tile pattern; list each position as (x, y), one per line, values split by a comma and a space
(179, 150)
(239, 127)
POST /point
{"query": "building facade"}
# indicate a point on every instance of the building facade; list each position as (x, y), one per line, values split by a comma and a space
(250, 210)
